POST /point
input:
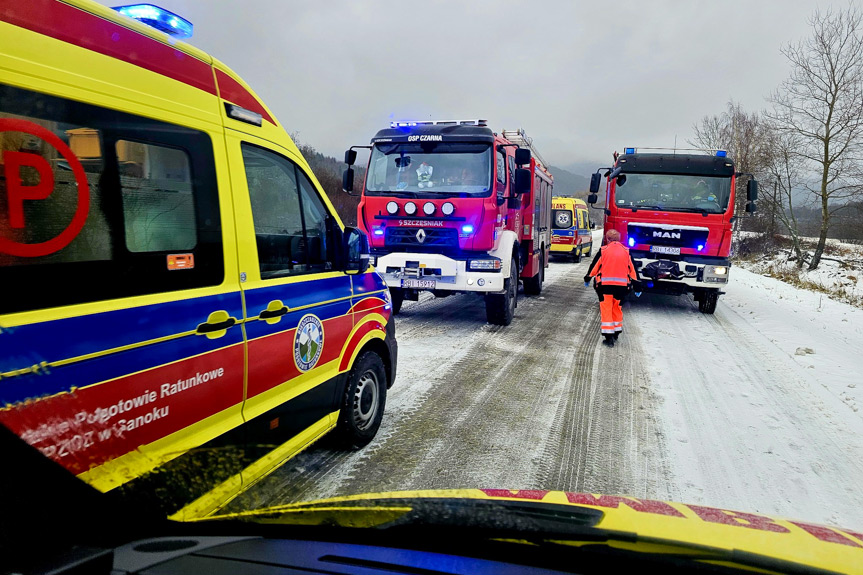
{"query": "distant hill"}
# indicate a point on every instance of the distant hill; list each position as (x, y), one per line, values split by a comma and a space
(568, 184)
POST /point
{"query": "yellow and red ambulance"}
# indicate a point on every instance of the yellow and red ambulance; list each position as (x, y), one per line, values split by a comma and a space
(570, 228)
(174, 277)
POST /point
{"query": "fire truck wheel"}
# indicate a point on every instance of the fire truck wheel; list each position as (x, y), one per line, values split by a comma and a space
(398, 296)
(363, 402)
(708, 300)
(499, 308)
(533, 286)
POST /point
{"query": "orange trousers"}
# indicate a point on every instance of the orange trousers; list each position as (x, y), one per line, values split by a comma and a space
(610, 315)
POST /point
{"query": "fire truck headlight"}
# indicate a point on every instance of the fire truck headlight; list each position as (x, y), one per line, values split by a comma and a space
(720, 270)
(447, 209)
(410, 208)
(428, 208)
(392, 208)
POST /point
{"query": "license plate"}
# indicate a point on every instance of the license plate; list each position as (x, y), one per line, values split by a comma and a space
(665, 250)
(418, 284)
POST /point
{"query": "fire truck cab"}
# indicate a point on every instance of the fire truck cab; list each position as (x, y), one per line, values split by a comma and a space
(674, 209)
(451, 206)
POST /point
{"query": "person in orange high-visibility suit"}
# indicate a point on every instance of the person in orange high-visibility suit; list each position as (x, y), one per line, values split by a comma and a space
(615, 274)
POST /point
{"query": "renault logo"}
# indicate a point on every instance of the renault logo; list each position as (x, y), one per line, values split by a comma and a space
(421, 236)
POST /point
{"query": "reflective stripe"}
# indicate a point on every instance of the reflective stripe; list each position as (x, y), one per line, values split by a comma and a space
(604, 330)
(605, 323)
(618, 329)
(621, 280)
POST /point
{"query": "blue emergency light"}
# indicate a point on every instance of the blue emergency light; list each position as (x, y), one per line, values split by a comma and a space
(158, 18)
(467, 229)
(700, 247)
(721, 153)
(628, 150)
(402, 124)
(378, 232)
(631, 242)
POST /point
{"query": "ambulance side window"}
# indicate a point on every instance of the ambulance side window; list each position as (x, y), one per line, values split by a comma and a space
(290, 219)
(158, 203)
(315, 217)
(97, 204)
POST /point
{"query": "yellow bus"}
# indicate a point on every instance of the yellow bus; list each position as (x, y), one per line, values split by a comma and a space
(570, 228)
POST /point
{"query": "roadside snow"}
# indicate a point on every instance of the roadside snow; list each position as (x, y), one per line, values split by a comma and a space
(762, 400)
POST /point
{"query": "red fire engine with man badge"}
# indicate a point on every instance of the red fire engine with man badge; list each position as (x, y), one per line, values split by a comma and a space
(451, 206)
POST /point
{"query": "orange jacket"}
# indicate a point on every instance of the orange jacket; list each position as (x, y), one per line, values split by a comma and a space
(613, 266)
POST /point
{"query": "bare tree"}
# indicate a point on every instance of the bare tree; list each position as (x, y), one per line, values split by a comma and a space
(821, 104)
(741, 134)
(780, 177)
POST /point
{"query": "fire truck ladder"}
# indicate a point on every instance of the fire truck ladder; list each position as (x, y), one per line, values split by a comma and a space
(522, 140)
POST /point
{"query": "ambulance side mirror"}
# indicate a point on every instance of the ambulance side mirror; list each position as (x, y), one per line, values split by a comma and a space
(355, 249)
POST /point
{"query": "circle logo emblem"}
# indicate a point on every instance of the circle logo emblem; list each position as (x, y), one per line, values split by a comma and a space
(14, 161)
(563, 219)
(308, 342)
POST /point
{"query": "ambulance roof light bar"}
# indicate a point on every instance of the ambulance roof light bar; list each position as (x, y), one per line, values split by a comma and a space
(158, 18)
(412, 123)
(522, 140)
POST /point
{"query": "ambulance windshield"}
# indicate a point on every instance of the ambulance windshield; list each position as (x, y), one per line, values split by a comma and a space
(430, 169)
(674, 192)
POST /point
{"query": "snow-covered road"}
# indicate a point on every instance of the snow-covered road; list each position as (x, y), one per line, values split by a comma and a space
(754, 408)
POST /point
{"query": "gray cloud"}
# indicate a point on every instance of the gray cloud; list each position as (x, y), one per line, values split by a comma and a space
(583, 79)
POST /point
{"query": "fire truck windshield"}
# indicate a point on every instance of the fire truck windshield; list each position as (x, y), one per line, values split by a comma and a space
(430, 169)
(674, 192)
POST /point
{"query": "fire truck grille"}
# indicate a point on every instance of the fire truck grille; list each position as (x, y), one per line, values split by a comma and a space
(421, 237)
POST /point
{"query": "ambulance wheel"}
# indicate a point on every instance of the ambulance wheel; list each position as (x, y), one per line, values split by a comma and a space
(363, 402)
(398, 296)
(500, 308)
(589, 250)
(708, 300)
(576, 254)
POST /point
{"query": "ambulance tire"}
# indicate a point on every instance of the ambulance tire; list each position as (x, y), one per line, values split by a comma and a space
(500, 308)
(362, 406)
(398, 297)
(589, 250)
(576, 254)
(708, 300)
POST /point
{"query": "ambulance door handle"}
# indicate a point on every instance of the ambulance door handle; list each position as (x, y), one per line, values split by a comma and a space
(268, 314)
(274, 312)
(218, 326)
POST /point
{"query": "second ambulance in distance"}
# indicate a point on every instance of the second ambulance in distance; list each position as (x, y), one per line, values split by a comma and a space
(570, 228)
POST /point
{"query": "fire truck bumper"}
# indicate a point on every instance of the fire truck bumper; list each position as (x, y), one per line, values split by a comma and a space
(688, 274)
(435, 272)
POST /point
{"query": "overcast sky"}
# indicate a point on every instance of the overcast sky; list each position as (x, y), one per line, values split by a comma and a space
(582, 78)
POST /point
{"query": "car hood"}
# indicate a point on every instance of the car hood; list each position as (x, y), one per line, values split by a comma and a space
(575, 518)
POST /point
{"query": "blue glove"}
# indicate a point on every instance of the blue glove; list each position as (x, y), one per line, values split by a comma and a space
(586, 284)
(638, 294)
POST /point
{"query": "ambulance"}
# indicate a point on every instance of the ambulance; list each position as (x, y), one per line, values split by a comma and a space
(570, 228)
(178, 291)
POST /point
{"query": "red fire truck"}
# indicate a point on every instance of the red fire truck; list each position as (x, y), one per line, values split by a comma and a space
(450, 206)
(674, 209)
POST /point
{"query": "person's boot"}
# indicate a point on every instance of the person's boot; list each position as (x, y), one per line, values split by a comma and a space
(617, 334)
(609, 340)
